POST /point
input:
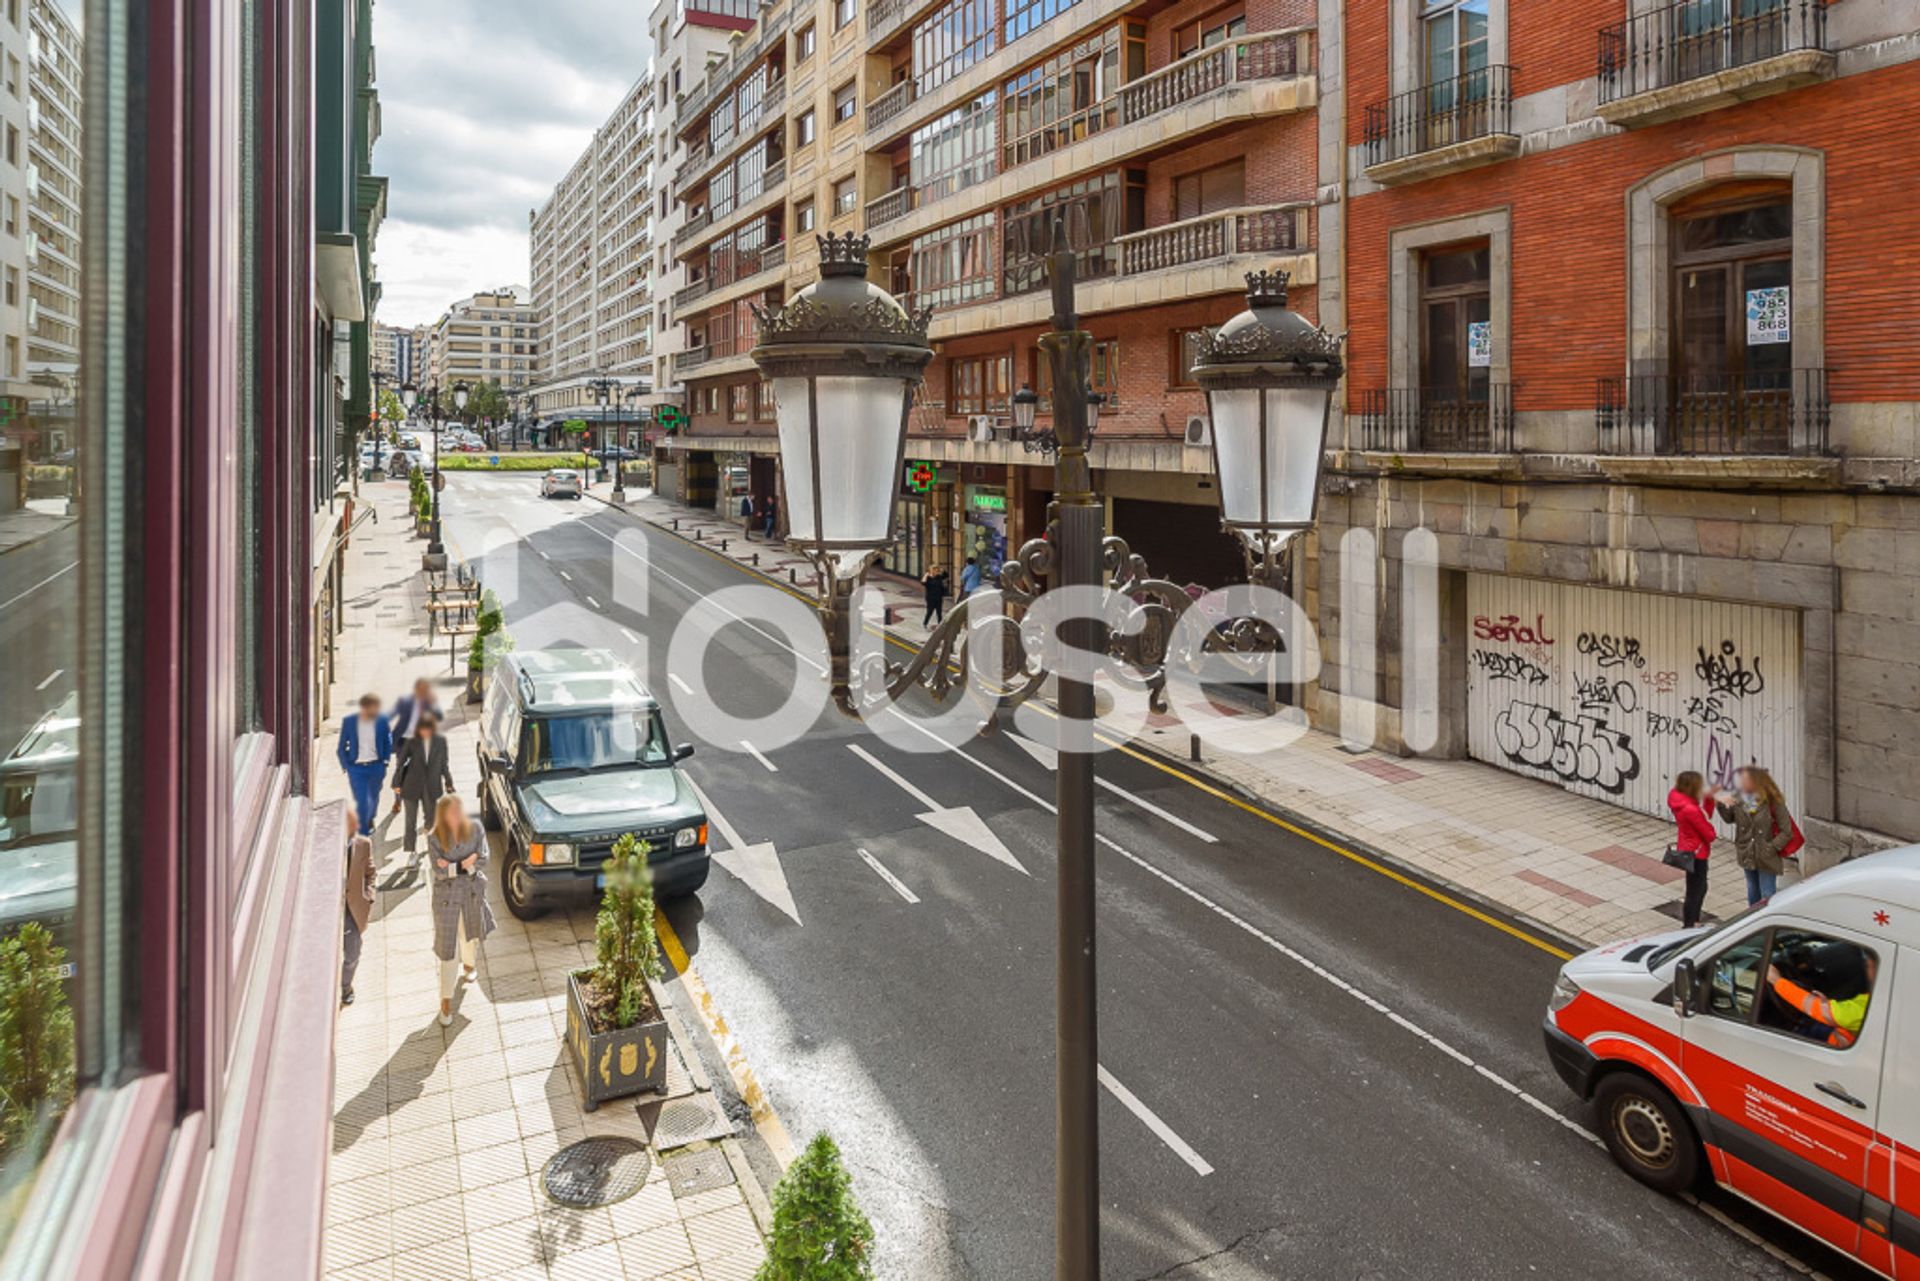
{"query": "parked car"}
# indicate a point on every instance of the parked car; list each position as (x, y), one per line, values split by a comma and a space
(574, 754)
(560, 483)
(1777, 1054)
(39, 827)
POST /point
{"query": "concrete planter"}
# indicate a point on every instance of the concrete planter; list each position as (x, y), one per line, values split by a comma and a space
(422, 527)
(476, 682)
(614, 1064)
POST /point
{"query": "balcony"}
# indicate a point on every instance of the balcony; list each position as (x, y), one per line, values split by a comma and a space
(694, 226)
(692, 293)
(890, 104)
(1690, 57)
(897, 203)
(701, 158)
(885, 16)
(1270, 56)
(1428, 420)
(746, 266)
(1273, 229)
(1775, 414)
(1442, 127)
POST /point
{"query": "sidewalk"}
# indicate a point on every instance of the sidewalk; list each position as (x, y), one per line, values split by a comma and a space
(440, 1135)
(1580, 868)
(30, 524)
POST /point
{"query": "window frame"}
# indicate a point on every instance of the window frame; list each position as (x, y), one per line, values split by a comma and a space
(1179, 369)
(844, 12)
(1769, 935)
(851, 187)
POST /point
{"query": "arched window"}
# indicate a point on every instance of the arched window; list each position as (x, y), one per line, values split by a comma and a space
(1731, 263)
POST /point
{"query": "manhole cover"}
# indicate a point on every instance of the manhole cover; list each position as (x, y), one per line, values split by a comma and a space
(689, 1120)
(595, 1172)
(702, 1171)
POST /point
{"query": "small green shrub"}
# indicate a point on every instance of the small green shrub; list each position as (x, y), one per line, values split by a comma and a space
(36, 1034)
(508, 462)
(626, 952)
(819, 1233)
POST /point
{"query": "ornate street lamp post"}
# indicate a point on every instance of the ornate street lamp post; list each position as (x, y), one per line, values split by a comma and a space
(603, 389)
(844, 358)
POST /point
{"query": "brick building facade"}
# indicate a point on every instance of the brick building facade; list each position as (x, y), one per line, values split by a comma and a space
(1628, 332)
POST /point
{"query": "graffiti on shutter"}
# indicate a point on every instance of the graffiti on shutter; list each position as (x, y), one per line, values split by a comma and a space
(1612, 693)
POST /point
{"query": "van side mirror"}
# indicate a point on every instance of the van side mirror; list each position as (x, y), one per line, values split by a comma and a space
(683, 751)
(1684, 983)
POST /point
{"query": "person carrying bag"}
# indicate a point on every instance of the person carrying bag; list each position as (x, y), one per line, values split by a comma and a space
(1691, 803)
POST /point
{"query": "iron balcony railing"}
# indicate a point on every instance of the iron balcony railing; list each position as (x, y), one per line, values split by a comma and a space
(1270, 229)
(1695, 38)
(1784, 412)
(722, 74)
(1478, 104)
(1433, 420)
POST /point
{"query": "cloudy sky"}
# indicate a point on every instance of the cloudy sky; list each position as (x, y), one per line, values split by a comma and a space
(484, 106)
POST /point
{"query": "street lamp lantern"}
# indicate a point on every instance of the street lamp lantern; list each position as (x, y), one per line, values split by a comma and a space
(1026, 404)
(844, 358)
(460, 393)
(1269, 376)
(409, 394)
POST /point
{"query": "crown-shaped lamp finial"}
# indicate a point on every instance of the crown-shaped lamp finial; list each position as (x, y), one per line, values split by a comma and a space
(1267, 288)
(843, 255)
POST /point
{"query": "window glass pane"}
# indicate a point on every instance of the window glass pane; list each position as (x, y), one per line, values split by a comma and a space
(1734, 978)
(1457, 267)
(1441, 357)
(1760, 225)
(1819, 988)
(1703, 321)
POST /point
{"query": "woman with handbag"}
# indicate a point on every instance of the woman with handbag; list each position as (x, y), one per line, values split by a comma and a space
(1764, 832)
(1692, 804)
(457, 853)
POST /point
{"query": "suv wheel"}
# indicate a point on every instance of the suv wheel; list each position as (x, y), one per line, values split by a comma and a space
(517, 887)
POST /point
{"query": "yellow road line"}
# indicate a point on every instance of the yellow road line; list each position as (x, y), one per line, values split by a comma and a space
(765, 1119)
(1353, 856)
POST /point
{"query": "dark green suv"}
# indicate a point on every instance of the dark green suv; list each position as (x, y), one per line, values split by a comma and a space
(573, 755)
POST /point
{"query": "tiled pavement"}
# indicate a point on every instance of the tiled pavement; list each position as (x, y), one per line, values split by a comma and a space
(440, 1134)
(1583, 868)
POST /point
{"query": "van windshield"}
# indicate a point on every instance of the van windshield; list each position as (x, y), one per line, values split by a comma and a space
(595, 740)
(1667, 951)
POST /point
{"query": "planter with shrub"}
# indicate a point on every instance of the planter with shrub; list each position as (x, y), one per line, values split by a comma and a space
(36, 1044)
(616, 1035)
(489, 642)
(819, 1232)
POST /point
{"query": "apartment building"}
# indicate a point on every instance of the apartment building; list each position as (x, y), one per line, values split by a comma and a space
(1628, 330)
(392, 347)
(16, 122)
(40, 145)
(592, 266)
(1178, 144)
(489, 337)
(688, 40)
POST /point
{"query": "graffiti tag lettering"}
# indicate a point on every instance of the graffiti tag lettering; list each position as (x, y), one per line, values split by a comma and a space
(1720, 766)
(1662, 726)
(1726, 672)
(1599, 692)
(1711, 712)
(1582, 750)
(1612, 651)
(1508, 667)
(1661, 682)
(1509, 628)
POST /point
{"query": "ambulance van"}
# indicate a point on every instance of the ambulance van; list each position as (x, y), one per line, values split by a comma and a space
(1778, 1053)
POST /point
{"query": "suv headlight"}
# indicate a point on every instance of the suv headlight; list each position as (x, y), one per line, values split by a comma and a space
(686, 838)
(552, 853)
(1564, 990)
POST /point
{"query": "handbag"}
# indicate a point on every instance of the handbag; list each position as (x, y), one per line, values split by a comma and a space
(1794, 841)
(1682, 860)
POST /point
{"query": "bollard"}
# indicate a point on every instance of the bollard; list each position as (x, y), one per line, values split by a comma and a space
(696, 535)
(756, 560)
(676, 524)
(723, 544)
(890, 618)
(792, 578)
(1193, 747)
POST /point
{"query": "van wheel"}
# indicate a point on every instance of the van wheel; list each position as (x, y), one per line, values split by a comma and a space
(517, 887)
(1647, 1132)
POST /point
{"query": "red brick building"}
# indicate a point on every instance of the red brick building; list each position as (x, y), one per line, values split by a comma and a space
(1630, 330)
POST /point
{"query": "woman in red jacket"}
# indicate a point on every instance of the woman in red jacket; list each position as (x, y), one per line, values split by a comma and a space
(1692, 804)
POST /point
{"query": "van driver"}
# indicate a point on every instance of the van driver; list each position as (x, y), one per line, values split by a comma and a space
(1835, 1021)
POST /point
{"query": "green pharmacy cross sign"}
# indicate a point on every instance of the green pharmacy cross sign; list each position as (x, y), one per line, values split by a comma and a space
(670, 417)
(921, 477)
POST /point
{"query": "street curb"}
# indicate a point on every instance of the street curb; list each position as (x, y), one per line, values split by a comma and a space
(37, 539)
(1412, 871)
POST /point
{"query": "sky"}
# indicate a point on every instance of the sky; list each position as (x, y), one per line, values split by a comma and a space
(484, 106)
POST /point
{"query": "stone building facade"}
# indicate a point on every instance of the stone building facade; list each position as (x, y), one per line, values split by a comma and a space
(1627, 333)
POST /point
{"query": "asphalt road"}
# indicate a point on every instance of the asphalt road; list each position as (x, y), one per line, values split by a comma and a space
(39, 630)
(1314, 1071)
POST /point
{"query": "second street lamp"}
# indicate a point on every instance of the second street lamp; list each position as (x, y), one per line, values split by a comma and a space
(844, 358)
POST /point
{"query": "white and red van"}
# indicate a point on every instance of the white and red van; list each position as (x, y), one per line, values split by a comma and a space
(1727, 1051)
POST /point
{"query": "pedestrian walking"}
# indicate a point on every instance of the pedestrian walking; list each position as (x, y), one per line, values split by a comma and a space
(359, 909)
(457, 851)
(970, 578)
(1763, 830)
(771, 508)
(936, 587)
(746, 517)
(422, 777)
(366, 744)
(407, 711)
(1692, 805)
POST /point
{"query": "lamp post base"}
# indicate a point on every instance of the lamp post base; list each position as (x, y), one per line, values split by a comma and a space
(434, 561)
(618, 497)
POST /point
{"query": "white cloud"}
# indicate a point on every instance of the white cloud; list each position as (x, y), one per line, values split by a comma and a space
(484, 106)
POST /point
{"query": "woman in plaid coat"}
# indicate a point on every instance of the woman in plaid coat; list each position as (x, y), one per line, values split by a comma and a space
(457, 856)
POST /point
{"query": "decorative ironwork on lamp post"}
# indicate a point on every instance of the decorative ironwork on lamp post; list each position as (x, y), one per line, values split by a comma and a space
(844, 357)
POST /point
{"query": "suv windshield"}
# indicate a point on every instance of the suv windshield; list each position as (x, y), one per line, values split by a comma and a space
(595, 740)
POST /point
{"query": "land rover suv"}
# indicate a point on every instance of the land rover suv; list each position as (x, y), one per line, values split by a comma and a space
(574, 754)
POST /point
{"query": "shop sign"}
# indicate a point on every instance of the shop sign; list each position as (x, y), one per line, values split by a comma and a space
(920, 478)
(986, 500)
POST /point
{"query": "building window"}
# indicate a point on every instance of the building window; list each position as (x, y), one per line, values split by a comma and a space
(953, 265)
(1024, 15)
(13, 75)
(979, 384)
(739, 396)
(1097, 212)
(763, 404)
(1216, 28)
(13, 215)
(846, 104)
(1731, 263)
(1062, 100)
(844, 12)
(845, 197)
(1456, 341)
(13, 356)
(805, 43)
(1453, 38)
(803, 216)
(951, 39)
(1210, 190)
(13, 286)
(13, 145)
(954, 152)
(804, 128)
(1185, 347)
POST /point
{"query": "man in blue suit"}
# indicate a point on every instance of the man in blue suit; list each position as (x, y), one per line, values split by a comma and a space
(366, 745)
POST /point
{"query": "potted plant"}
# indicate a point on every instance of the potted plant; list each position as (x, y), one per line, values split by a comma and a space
(616, 1036)
(36, 1040)
(819, 1232)
(489, 642)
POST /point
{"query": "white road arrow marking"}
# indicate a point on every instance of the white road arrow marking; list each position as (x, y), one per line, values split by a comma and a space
(1049, 758)
(755, 866)
(962, 824)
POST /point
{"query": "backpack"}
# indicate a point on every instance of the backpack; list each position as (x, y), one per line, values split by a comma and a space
(1794, 841)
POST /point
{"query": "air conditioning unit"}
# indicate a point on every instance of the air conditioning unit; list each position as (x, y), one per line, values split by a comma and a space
(1199, 431)
(980, 429)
